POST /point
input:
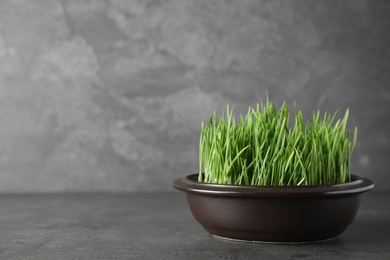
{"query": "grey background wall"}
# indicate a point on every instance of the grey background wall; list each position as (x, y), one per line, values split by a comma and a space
(109, 95)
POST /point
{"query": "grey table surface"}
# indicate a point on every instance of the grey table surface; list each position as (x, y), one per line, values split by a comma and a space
(160, 226)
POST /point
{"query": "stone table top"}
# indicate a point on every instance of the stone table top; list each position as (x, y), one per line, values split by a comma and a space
(160, 226)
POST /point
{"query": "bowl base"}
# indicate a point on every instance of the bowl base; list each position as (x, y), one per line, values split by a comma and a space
(275, 243)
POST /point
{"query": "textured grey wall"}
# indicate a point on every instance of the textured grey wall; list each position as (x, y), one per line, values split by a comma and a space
(109, 95)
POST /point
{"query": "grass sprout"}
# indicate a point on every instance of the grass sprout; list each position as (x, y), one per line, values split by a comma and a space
(260, 148)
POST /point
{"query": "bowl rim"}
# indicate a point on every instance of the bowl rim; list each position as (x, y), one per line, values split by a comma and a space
(190, 184)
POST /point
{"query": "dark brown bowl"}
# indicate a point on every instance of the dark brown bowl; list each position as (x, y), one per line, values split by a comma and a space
(279, 214)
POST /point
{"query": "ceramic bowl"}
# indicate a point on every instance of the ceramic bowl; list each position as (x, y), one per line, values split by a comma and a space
(274, 214)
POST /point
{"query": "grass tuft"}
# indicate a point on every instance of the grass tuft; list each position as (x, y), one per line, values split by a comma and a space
(260, 149)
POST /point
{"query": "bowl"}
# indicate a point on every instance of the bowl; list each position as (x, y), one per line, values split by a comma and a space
(274, 214)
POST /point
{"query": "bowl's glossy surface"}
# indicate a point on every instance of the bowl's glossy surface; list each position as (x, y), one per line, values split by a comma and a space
(281, 214)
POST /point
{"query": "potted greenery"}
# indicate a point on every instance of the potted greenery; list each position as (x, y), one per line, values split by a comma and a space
(264, 181)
